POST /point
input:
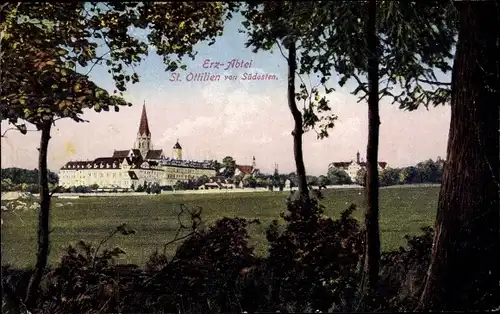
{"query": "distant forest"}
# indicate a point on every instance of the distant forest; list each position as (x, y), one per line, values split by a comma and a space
(16, 176)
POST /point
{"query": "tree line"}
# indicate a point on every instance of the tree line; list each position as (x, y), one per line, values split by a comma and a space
(18, 179)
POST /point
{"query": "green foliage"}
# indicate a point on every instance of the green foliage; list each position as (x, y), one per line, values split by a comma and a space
(18, 176)
(249, 181)
(314, 261)
(312, 265)
(408, 175)
(84, 278)
(271, 25)
(155, 189)
(229, 165)
(140, 188)
(202, 180)
(389, 176)
(42, 45)
(403, 272)
(416, 41)
(428, 171)
(338, 176)
(361, 177)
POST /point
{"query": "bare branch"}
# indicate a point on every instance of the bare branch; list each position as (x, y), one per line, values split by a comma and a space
(281, 50)
(97, 61)
(435, 83)
(361, 84)
(3, 134)
(54, 190)
(16, 128)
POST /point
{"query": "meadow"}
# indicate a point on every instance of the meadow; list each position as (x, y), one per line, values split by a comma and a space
(403, 210)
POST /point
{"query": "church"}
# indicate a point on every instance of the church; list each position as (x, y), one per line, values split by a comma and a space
(136, 166)
(352, 167)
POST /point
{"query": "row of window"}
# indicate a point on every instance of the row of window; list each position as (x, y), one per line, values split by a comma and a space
(180, 176)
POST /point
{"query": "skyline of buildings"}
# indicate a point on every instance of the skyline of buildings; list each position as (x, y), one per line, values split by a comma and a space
(136, 166)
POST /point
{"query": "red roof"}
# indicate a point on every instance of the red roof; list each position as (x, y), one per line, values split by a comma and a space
(245, 168)
(144, 126)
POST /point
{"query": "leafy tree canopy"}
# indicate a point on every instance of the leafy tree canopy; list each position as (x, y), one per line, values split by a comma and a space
(43, 44)
(416, 41)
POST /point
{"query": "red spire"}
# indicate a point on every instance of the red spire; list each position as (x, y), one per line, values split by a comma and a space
(143, 126)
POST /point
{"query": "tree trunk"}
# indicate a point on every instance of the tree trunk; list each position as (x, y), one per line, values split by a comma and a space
(464, 270)
(43, 220)
(298, 128)
(372, 259)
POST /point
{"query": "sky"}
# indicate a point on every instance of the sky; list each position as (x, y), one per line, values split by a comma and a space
(235, 118)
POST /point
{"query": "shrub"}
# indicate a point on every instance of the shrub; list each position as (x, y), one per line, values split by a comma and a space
(403, 272)
(85, 280)
(202, 276)
(140, 188)
(315, 260)
(313, 264)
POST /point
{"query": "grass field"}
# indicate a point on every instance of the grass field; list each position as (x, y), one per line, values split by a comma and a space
(404, 210)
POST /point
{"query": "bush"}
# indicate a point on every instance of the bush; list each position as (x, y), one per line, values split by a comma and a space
(140, 188)
(86, 279)
(155, 189)
(202, 276)
(314, 263)
(403, 272)
(315, 260)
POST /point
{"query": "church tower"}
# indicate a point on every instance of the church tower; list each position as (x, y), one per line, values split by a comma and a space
(177, 151)
(143, 140)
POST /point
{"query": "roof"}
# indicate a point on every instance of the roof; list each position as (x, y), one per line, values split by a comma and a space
(120, 153)
(187, 163)
(342, 164)
(143, 125)
(177, 145)
(132, 175)
(108, 160)
(136, 152)
(101, 163)
(245, 168)
(154, 154)
(124, 153)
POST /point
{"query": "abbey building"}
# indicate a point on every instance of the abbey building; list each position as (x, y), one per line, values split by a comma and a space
(136, 166)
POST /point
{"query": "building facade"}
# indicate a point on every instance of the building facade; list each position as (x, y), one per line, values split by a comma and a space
(352, 167)
(137, 166)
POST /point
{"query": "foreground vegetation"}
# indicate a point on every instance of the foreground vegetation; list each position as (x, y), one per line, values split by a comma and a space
(313, 262)
(154, 217)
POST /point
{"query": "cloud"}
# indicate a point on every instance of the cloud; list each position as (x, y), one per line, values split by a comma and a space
(186, 128)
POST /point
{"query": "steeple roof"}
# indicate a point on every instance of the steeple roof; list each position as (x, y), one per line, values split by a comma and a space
(177, 145)
(144, 126)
